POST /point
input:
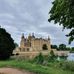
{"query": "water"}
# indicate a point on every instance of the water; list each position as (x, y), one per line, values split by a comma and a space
(70, 57)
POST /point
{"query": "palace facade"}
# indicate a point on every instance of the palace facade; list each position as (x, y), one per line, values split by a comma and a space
(31, 43)
(31, 46)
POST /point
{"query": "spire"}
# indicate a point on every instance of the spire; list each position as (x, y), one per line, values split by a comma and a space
(29, 34)
(33, 36)
(22, 40)
(22, 35)
(29, 37)
(48, 38)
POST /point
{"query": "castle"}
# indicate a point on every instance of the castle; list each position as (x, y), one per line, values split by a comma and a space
(31, 46)
(31, 43)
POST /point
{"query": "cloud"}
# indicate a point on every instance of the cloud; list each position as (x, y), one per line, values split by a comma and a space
(27, 16)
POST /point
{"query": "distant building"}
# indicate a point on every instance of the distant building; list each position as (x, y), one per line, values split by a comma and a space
(31, 46)
(31, 43)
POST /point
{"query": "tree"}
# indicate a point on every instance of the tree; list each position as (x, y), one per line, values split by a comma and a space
(68, 48)
(6, 44)
(62, 12)
(72, 50)
(62, 47)
(16, 45)
(54, 47)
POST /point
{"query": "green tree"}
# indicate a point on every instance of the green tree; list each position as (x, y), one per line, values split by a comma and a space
(68, 48)
(62, 12)
(72, 49)
(54, 47)
(16, 45)
(6, 44)
(62, 47)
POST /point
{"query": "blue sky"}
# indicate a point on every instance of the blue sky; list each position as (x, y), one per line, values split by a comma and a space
(30, 16)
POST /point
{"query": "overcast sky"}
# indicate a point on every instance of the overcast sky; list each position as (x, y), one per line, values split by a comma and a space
(30, 16)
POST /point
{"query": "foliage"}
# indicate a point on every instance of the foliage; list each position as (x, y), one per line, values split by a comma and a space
(54, 47)
(39, 59)
(52, 53)
(62, 47)
(68, 48)
(16, 45)
(63, 57)
(62, 12)
(36, 68)
(52, 57)
(6, 44)
(72, 49)
(68, 65)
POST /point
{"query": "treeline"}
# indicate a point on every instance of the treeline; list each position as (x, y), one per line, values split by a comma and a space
(62, 47)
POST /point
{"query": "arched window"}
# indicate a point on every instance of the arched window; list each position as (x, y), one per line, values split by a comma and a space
(20, 49)
(27, 49)
(44, 47)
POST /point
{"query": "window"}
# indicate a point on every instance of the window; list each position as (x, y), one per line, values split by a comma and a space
(24, 49)
(27, 49)
(44, 47)
(20, 49)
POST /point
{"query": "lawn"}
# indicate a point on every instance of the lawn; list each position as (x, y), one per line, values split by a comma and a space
(36, 68)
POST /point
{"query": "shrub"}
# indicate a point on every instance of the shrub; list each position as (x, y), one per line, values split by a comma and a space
(52, 57)
(52, 53)
(69, 65)
(39, 59)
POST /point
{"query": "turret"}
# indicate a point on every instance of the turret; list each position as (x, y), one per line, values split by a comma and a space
(33, 36)
(22, 40)
(48, 38)
(29, 37)
(22, 36)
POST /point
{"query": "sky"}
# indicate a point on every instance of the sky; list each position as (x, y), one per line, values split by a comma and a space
(30, 16)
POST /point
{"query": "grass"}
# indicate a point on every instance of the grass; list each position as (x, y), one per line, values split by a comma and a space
(38, 69)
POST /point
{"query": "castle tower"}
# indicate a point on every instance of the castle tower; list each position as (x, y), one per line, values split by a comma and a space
(33, 36)
(48, 38)
(22, 41)
(29, 37)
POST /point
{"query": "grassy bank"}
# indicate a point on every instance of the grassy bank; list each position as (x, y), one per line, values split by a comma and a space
(38, 69)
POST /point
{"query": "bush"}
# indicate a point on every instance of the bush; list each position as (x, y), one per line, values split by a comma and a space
(39, 59)
(52, 53)
(63, 57)
(52, 57)
(67, 65)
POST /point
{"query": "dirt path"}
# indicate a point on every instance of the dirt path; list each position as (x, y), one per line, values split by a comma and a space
(13, 71)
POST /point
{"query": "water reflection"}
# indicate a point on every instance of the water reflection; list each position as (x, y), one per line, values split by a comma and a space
(70, 57)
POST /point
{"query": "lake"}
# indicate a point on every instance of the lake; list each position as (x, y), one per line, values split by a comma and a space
(70, 57)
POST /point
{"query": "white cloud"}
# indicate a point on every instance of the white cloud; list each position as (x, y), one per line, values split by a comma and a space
(27, 16)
